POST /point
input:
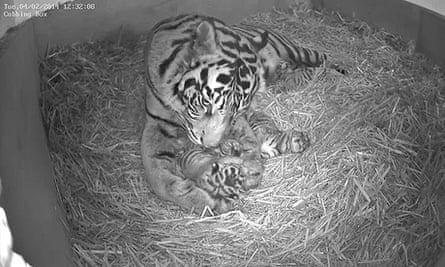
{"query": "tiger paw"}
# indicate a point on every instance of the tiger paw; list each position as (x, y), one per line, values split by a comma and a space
(230, 176)
(223, 178)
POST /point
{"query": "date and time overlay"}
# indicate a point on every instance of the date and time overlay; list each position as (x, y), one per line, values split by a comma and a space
(27, 10)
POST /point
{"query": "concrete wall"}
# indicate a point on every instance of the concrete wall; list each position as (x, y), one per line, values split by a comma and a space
(25, 169)
(433, 5)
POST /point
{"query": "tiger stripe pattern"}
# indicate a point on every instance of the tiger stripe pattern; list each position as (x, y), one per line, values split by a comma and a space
(267, 142)
(281, 57)
(223, 176)
(202, 76)
(272, 141)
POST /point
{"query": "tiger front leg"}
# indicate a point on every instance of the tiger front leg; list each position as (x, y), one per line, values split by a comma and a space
(274, 142)
(167, 184)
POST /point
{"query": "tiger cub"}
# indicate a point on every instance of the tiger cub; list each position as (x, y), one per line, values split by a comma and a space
(222, 176)
(203, 177)
(233, 167)
(256, 134)
(237, 165)
(202, 76)
(160, 148)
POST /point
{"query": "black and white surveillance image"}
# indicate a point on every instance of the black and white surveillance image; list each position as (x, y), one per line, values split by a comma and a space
(221, 133)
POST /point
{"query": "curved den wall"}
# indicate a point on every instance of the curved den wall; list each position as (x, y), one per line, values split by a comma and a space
(424, 25)
(29, 195)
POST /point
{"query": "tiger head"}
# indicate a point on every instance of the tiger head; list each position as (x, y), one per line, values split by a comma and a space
(216, 88)
(209, 103)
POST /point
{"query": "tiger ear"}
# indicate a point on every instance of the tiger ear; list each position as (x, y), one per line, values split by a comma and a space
(206, 37)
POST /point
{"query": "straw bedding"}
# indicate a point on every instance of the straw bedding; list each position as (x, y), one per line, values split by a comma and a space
(370, 190)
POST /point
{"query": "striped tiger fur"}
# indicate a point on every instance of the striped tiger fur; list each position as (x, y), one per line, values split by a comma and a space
(202, 76)
(295, 78)
(257, 134)
(202, 72)
(280, 56)
(272, 141)
(222, 176)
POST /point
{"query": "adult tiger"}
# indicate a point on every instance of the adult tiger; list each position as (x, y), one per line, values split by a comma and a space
(202, 75)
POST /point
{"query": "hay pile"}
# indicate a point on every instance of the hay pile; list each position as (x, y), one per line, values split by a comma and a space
(369, 191)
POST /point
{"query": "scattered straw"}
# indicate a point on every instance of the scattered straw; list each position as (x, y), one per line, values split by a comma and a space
(369, 191)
